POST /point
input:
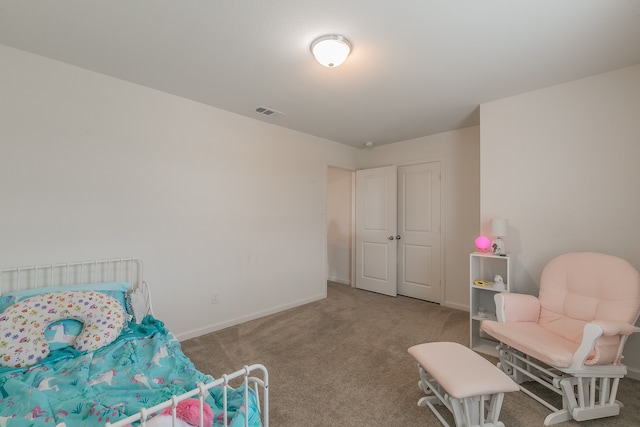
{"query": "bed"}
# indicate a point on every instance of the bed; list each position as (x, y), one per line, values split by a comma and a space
(80, 346)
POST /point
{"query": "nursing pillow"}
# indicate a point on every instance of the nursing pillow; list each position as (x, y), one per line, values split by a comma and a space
(23, 325)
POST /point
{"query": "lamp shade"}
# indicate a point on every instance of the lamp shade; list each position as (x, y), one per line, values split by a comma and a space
(499, 227)
(331, 51)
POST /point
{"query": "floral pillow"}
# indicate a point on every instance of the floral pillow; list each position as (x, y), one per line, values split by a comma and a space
(22, 325)
(63, 333)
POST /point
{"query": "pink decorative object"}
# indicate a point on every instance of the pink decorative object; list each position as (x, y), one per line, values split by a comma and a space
(189, 410)
(187, 415)
(483, 243)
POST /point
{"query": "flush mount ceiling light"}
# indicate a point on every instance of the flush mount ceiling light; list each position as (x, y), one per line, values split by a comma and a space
(331, 51)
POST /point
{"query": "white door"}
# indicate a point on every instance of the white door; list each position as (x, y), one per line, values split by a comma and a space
(419, 228)
(376, 213)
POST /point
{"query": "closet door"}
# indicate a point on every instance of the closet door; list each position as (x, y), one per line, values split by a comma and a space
(419, 228)
(376, 216)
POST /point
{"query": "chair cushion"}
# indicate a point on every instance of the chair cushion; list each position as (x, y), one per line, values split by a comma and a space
(534, 340)
(577, 288)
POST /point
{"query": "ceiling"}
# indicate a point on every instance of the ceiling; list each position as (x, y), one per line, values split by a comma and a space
(417, 67)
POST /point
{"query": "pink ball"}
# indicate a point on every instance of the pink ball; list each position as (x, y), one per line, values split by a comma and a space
(483, 243)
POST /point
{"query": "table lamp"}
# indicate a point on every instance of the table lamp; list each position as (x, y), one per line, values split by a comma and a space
(499, 229)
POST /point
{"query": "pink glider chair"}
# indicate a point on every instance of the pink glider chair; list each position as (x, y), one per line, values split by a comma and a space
(570, 339)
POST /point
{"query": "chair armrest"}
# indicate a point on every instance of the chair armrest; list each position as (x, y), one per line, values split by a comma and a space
(511, 307)
(596, 329)
(610, 328)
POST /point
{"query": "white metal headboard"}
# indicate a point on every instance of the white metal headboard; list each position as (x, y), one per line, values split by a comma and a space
(73, 273)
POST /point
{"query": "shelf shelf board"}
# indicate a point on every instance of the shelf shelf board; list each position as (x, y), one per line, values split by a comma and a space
(486, 347)
(490, 255)
(487, 317)
(490, 287)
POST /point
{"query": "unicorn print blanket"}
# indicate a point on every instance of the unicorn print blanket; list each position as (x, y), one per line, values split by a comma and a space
(141, 368)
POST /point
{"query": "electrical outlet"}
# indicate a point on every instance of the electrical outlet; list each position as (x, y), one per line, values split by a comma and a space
(214, 297)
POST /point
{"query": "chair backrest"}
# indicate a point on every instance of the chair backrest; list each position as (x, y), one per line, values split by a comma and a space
(577, 288)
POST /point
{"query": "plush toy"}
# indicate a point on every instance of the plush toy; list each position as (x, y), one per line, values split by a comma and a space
(187, 415)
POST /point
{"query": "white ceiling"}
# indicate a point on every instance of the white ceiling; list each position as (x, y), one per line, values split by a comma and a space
(417, 68)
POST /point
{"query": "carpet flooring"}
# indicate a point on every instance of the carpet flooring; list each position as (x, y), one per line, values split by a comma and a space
(343, 361)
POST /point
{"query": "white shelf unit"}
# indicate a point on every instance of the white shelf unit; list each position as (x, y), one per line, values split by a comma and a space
(483, 266)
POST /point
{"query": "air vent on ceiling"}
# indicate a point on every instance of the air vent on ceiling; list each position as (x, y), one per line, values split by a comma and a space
(269, 112)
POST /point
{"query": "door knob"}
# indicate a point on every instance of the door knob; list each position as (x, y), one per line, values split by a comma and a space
(391, 237)
(398, 237)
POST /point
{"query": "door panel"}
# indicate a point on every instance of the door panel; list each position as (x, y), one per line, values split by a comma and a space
(416, 255)
(372, 269)
(419, 226)
(376, 222)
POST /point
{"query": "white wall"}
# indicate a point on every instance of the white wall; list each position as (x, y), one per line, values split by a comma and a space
(458, 152)
(339, 224)
(562, 164)
(95, 167)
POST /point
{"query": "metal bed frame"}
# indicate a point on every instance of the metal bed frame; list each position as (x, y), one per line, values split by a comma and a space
(72, 273)
(131, 270)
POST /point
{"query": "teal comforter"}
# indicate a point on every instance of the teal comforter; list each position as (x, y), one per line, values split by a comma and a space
(143, 367)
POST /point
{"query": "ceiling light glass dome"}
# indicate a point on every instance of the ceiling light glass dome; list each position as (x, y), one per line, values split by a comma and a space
(331, 51)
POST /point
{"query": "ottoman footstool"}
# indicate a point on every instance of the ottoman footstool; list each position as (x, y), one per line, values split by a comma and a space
(470, 386)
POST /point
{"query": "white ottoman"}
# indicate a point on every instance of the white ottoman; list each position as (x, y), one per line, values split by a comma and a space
(466, 383)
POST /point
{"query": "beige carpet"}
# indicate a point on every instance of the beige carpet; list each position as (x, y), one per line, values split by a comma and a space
(343, 361)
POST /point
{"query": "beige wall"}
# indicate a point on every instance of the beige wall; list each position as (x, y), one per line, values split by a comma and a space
(562, 165)
(95, 167)
(458, 152)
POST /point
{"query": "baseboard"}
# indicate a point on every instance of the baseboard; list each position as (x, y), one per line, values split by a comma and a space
(341, 281)
(633, 373)
(238, 320)
(456, 306)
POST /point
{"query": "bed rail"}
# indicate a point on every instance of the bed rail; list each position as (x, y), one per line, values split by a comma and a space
(72, 273)
(259, 384)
